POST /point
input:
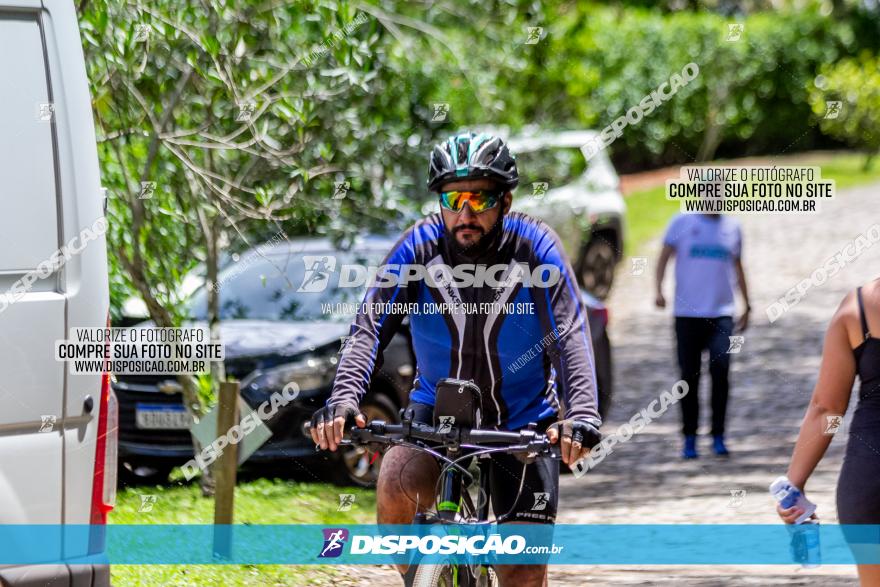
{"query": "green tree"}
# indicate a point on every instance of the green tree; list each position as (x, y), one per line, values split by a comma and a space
(218, 121)
(846, 98)
(222, 122)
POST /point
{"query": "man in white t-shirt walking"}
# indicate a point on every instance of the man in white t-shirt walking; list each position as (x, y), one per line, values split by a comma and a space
(708, 265)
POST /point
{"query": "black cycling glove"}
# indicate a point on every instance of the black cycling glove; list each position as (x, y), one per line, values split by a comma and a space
(329, 413)
(584, 431)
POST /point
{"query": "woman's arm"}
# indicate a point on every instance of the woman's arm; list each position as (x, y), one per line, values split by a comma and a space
(830, 398)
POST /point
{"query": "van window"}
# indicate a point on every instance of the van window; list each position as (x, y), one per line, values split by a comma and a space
(28, 205)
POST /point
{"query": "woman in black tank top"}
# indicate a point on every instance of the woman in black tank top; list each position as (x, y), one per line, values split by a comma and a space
(849, 350)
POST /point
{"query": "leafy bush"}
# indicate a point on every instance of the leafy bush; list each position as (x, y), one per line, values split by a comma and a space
(750, 95)
(846, 98)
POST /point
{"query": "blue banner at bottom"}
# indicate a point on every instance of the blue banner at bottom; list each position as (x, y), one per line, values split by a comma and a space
(563, 544)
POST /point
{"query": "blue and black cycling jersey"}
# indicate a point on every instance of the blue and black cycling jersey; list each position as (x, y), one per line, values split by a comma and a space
(520, 331)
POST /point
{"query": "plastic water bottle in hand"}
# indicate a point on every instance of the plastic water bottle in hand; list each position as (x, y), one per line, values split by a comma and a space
(805, 547)
(787, 495)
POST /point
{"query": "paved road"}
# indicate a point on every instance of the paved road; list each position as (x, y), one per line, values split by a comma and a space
(772, 379)
(644, 481)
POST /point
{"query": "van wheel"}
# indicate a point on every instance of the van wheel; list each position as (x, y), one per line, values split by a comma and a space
(597, 267)
(359, 466)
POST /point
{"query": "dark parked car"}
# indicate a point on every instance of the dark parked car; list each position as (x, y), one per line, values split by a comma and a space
(275, 331)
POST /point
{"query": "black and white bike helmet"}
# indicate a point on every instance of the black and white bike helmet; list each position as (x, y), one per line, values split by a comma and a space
(471, 156)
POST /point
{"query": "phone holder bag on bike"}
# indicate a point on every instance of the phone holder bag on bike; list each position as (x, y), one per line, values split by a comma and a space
(458, 399)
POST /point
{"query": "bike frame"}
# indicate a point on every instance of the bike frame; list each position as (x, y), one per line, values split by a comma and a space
(451, 448)
(452, 491)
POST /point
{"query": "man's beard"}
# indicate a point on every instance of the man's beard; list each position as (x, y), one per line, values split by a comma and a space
(486, 240)
(475, 239)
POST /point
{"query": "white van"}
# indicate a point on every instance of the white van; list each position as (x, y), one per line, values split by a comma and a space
(57, 430)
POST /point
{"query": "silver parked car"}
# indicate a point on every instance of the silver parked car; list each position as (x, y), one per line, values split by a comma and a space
(578, 196)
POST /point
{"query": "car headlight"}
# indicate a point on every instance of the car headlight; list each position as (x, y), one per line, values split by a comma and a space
(309, 374)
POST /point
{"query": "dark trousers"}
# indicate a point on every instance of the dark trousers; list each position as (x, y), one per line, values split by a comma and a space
(694, 335)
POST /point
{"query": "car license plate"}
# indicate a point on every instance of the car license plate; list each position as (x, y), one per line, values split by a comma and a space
(161, 417)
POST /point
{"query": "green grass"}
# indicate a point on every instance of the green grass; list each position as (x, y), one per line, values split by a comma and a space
(847, 169)
(648, 211)
(261, 501)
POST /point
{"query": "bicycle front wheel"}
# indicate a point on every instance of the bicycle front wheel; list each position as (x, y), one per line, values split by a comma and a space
(436, 576)
(447, 575)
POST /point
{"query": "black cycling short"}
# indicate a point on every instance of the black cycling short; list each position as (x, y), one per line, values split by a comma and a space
(539, 497)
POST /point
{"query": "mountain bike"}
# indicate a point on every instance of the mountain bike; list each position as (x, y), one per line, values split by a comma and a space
(457, 442)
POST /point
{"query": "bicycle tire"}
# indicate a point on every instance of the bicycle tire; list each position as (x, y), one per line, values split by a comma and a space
(442, 576)
(486, 577)
(433, 576)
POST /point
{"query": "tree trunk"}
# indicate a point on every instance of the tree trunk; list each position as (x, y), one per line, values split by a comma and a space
(212, 261)
(711, 140)
(161, 317)
(714, 127)
(211, 228)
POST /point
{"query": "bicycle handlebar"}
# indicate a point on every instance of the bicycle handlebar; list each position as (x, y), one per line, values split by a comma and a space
(524, 441)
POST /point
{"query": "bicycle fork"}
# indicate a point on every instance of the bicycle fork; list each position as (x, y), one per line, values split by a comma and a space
(449, 504)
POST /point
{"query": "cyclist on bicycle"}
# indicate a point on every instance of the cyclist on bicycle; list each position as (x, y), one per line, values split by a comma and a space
(532, 366)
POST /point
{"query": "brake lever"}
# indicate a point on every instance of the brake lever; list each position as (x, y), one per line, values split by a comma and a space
(553, 450)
